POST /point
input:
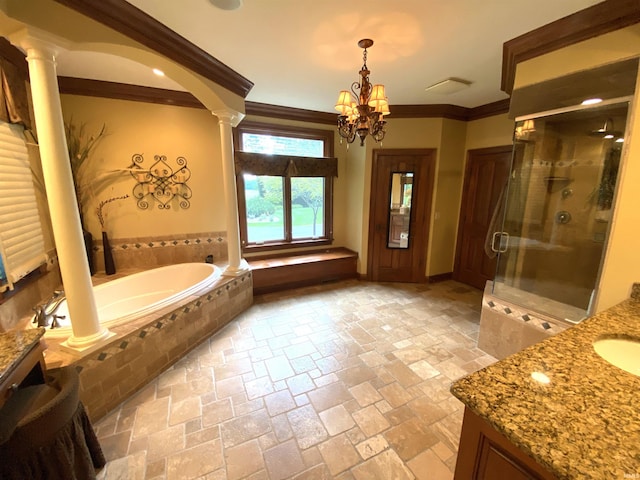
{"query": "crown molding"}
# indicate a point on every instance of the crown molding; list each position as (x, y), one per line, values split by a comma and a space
(137, 25)
(489, 109)
(123, 91)
(452, 112)
(289, 113)
(596, 20)
(136, 93)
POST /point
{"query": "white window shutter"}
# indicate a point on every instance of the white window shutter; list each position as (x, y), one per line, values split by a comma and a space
(21, 241)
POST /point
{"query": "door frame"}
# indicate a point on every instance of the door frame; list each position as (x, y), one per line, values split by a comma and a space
(465, 196)
(419, 274)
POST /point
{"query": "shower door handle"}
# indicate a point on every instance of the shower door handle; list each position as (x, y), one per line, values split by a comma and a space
(503, 245)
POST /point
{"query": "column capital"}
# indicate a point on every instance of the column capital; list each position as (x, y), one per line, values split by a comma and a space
(38, 43)
(227, 116)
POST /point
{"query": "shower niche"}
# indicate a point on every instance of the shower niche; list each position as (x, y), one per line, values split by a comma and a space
(551, 231)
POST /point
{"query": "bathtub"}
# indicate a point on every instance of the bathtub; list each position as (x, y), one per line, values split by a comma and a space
(140, 294)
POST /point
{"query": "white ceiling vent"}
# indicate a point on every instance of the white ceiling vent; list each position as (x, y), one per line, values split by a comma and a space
(227, 4)
(448, 86)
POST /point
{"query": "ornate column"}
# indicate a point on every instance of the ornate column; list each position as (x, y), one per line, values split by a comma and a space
(226, 120)
(61, 197)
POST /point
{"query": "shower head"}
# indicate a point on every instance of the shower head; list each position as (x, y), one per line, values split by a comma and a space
(606, 131)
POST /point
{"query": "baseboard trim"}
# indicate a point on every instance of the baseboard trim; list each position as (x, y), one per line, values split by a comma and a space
(441, 277)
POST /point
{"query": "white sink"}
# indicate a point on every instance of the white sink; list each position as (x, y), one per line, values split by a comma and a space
(624, 353)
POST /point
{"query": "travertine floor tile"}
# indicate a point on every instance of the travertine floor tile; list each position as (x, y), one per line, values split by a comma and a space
(336, 420)
(346, 381)
(284, 460)
(338, 454)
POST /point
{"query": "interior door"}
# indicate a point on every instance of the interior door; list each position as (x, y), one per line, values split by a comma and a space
(401, 191)
(485, 179)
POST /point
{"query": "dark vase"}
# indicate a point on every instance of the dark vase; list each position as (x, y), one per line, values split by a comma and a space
(88, 245)
(109, 266)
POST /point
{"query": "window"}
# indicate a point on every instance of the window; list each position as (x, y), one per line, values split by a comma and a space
(21, 240)
(284, 179)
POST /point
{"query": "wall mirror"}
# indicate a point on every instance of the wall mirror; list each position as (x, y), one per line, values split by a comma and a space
(400, 209)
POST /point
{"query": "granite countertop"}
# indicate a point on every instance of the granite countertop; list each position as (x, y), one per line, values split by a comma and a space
(585, 423)
(14, 346)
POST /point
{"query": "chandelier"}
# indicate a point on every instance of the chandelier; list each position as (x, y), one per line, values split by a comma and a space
(367, 116)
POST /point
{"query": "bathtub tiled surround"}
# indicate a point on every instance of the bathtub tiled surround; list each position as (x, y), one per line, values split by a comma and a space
(507, 328)
(347, 380)
(146, 347)
(148, 252)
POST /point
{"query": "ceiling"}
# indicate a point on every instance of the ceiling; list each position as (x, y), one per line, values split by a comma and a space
(301, 53)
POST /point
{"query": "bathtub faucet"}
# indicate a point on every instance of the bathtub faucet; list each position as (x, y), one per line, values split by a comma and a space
(47, 310)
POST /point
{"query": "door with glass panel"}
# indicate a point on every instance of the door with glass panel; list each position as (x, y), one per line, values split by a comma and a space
(401, 188)
(559, 207)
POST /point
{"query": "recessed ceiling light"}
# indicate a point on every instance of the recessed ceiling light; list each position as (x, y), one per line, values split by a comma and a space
(619, 140)
(448, 86)
(158, 72)
(591, 101)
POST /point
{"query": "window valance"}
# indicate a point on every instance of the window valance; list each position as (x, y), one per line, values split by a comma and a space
(14, 107)
(285, 165)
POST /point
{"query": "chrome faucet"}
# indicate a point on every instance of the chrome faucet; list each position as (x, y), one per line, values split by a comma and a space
(45, 312)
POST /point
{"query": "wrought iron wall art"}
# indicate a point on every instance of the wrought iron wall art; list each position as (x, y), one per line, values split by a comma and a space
(161, 183)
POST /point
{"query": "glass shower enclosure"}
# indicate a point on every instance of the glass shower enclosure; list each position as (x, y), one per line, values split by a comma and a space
(559, 204)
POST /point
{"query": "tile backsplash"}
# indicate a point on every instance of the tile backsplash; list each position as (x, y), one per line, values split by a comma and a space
(148, 252)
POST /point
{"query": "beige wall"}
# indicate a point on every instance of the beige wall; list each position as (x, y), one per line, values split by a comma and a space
(448, 195)
(608, 48)
(356, 229)
(150, 129)
(490, 132)
(621, 266)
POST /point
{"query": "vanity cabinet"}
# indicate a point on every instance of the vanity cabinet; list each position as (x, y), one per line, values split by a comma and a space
(21, 361)
(485, 454)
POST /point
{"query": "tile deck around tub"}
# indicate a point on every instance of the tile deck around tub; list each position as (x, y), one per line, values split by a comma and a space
(347, 380)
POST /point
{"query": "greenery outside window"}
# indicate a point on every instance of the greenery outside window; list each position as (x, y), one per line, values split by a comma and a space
(284, 180)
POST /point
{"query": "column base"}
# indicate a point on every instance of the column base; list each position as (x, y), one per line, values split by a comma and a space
(85, 345)
(237, 271)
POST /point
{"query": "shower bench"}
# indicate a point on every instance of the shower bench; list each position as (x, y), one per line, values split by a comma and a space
(283, 271)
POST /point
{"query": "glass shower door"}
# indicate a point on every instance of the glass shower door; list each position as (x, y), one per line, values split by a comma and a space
(558, 207)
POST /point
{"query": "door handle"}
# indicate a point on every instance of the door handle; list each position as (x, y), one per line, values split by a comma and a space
(503, 235)
(502, 247)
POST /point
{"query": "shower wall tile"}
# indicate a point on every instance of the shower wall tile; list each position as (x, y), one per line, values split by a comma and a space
(506, 328)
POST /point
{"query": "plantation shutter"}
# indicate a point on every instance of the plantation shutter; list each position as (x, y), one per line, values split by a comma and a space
(21, 241)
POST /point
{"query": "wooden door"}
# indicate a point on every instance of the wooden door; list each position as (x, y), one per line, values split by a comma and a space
(398, 235)
(485, 178)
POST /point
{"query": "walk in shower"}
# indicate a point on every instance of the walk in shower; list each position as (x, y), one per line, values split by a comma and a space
(551, 231)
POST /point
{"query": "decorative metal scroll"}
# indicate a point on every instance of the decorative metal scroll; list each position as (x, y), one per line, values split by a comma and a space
(161, 183)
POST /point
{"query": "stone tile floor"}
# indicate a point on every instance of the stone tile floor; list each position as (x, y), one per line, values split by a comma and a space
(348, 380)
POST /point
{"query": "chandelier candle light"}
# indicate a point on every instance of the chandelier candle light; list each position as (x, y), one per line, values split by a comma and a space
(367, 116)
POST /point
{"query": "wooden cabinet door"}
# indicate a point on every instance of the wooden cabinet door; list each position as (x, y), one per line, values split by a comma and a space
(486, 454)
